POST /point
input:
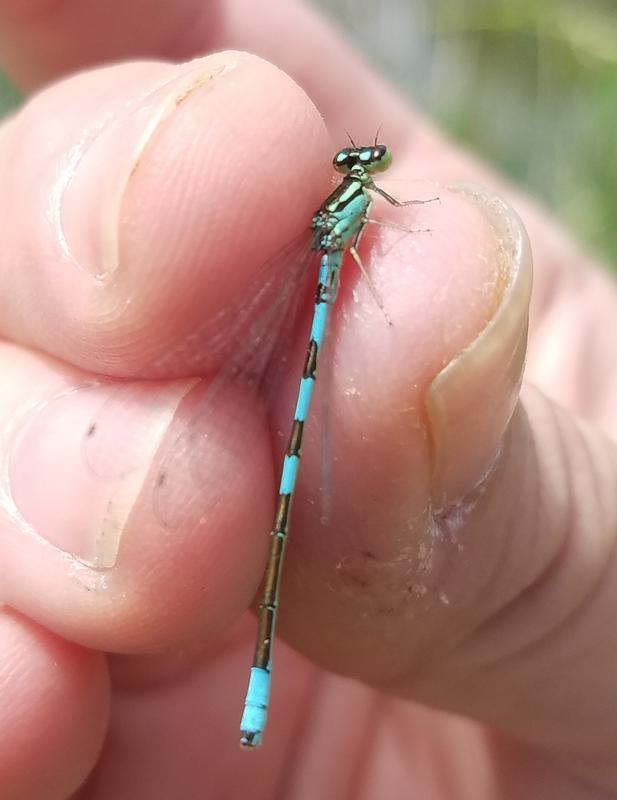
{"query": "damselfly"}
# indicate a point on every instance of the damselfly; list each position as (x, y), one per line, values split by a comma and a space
(337, 228)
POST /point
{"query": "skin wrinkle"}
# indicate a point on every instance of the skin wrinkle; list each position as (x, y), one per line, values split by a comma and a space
(496, 620)
(529, 483)
(537, 582)
(436, 648)
(599, 581)
(448, 521)
(578, 607)
(496, 571)
(494, 577)
(499, 620)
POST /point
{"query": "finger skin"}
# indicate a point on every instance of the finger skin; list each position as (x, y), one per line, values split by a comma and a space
(54, 707)
(85, 549)
(85, 455)
(531, 625)
(41, 41)
(132, 237)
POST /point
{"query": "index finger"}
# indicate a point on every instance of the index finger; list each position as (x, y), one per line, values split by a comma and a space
(152, 198)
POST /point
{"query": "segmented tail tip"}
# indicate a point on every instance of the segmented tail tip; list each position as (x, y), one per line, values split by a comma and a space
(250, 740)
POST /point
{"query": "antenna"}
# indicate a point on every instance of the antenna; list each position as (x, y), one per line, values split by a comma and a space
(353, 144)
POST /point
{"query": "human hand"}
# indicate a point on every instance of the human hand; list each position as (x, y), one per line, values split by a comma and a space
(137, 201)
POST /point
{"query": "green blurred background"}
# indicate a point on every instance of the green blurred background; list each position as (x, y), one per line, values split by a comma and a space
(531, 85)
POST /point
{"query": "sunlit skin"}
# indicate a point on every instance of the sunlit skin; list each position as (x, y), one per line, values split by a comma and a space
(137, 201)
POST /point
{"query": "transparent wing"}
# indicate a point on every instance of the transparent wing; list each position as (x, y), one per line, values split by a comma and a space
(250, 339)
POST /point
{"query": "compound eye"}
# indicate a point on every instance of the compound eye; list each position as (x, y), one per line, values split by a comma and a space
(382, 158)
(343, 160)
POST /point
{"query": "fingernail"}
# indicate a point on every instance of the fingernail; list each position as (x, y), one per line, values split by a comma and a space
(471, 400)
(78, 461)
(91, 178)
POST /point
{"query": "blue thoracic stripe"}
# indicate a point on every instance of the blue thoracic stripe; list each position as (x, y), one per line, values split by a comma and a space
(289, 474)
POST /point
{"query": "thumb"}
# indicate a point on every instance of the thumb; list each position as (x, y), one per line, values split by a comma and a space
(494, 596)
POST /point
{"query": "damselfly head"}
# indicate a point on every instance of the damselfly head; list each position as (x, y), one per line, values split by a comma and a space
(372, 158)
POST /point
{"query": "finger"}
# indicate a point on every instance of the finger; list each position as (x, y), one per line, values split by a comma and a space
(40, 41)
(402, 400)
(83, 459)
(537, 654)
(87, 550)
(140, 228)
(468, 564)
(54, 701)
